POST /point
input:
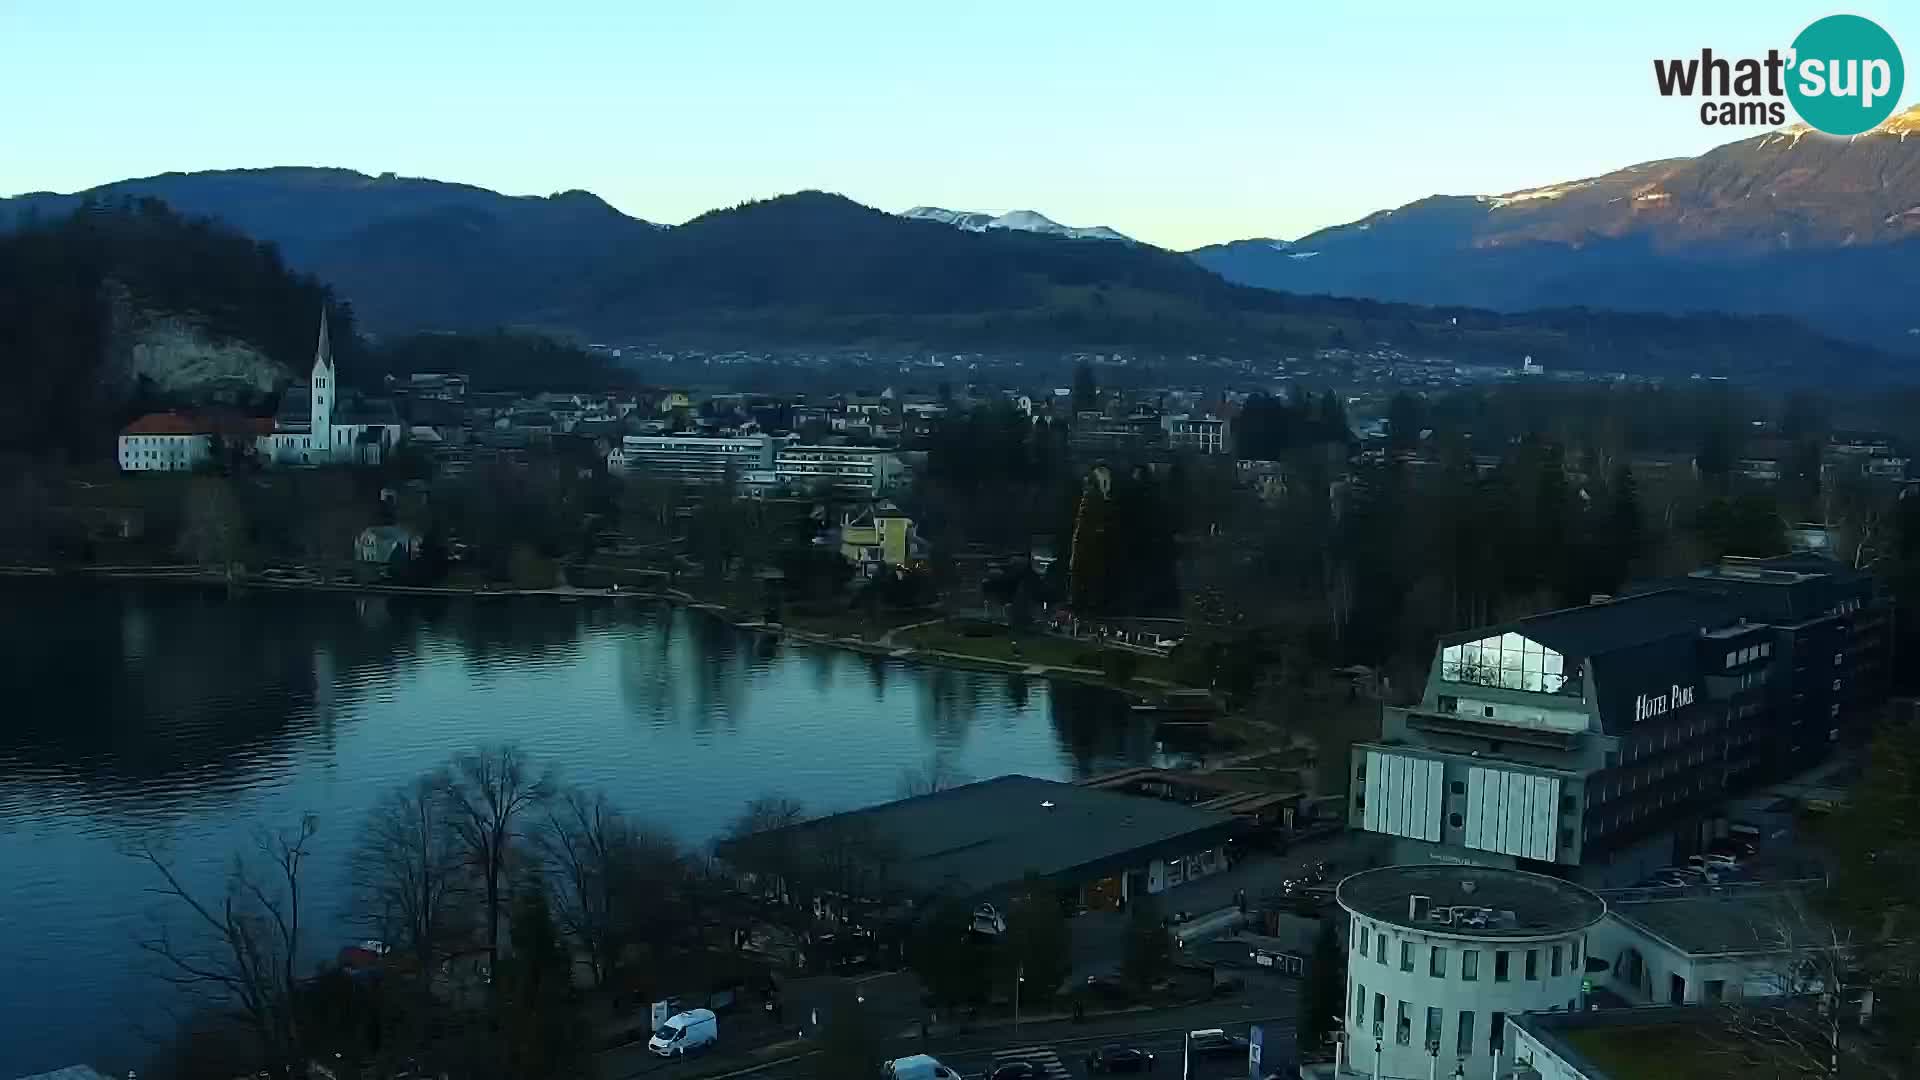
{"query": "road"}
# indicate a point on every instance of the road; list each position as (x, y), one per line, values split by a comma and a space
(1060, 1048)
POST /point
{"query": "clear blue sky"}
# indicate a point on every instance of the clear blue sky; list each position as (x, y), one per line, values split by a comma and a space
(1181, 124)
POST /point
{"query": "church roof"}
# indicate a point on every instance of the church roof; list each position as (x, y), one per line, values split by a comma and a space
(354, 409)
(323, 353)
(296, 407)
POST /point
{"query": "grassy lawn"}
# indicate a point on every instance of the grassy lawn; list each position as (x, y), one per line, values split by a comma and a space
(1662, 1052)
(1034, 648)
(856, 624)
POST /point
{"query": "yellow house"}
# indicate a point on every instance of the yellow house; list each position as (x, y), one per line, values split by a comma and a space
(877, 536)
(674, 401)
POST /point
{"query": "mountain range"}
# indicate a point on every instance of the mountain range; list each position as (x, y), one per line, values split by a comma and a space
(1789, 222)
(1577, 274)
(1021, 220)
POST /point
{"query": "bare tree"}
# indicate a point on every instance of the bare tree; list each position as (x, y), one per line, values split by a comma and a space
(239, 953)
(408, 872)
(486, 792)
(213, 527)
(608, 877)
(934, 775)
(1788, 1018)
(760, 843)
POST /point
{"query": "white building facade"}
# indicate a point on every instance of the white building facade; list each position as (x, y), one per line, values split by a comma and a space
(859, 471)
(694, 459)
(163, 443)
(1439, 956)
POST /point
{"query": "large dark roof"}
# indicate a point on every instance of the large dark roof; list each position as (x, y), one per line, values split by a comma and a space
(1749, 919)
(1540, 905)
(987, 836)
(1782, 590)
(1596, 629)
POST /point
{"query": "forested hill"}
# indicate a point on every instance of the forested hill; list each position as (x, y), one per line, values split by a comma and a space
(77, 293)
(813, 268)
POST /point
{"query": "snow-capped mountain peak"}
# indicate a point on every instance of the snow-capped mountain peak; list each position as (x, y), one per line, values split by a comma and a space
(1018, 220)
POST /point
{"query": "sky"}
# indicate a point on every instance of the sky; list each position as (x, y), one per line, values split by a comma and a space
(1179, 124)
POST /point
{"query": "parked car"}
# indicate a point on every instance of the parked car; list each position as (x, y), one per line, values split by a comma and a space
(685, 1033)
(1215, 1043)
(1119, 1059)
(919, 1067)
(988, 920)
(1110, 988)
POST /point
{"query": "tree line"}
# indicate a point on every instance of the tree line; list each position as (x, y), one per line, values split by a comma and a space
(514, 914)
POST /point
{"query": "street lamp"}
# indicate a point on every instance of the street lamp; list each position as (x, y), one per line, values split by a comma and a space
(1019, 976)
(1376, 1058)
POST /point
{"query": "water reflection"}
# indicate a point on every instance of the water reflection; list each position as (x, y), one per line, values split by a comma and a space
(201, 714)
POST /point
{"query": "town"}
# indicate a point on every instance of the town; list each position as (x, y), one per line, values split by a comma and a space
(1598, 818)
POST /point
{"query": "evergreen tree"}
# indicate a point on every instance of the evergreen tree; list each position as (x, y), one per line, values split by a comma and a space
(1323, 999)
(1037, 947)
(1091, 558)
(1086, 394)
(1330, 419)
(849, 1042)
(1625, 526)
(539, 1021)
(1149, 951)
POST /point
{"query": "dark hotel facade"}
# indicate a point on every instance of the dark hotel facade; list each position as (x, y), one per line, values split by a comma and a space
(1596, 742)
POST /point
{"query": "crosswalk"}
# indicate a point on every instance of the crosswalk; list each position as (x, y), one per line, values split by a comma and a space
(1041, 1057)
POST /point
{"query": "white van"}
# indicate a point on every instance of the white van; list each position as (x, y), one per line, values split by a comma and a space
(919, 1067)
(685, 1033)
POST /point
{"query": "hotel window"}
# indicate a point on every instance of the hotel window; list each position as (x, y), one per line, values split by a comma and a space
(1406, 956)
(1494, 1042)
(1469, 965)
(1380, 949)
(1403, 1025)
(1433, 1028)
(1555, 968)
(1463, 1043)
(1437, 963)
(1363, 941)
(1533, 965)
(1500, 965)
(1576, 954)
(1730, 659)
(1379, 1014)
(1359, 1004)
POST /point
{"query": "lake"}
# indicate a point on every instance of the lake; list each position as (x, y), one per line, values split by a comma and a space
(193, 716)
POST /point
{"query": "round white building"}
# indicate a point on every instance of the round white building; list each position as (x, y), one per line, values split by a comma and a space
(1438, 956)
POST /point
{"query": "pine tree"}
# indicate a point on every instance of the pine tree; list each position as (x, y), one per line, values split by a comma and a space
(539, 1019)
(1324, 997)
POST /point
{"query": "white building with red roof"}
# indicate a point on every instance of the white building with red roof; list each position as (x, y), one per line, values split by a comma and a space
(319, 423)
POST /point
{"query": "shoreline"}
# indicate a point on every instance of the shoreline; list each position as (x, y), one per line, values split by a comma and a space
(932, 657)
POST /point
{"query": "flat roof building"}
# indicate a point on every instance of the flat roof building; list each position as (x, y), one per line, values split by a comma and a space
(981, 840)
(693, 459)
(1599, 739)
(1709, 945)
(1438, 956)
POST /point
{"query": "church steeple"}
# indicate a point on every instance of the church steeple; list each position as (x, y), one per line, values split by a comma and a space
(323, 390)
(323, 353)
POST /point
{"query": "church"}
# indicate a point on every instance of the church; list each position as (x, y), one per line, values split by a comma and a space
(321, 422)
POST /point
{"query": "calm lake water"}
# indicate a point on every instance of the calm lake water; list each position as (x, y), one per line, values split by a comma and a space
(193, 716)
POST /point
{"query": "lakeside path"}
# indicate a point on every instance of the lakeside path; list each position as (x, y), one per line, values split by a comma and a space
(886, 644)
